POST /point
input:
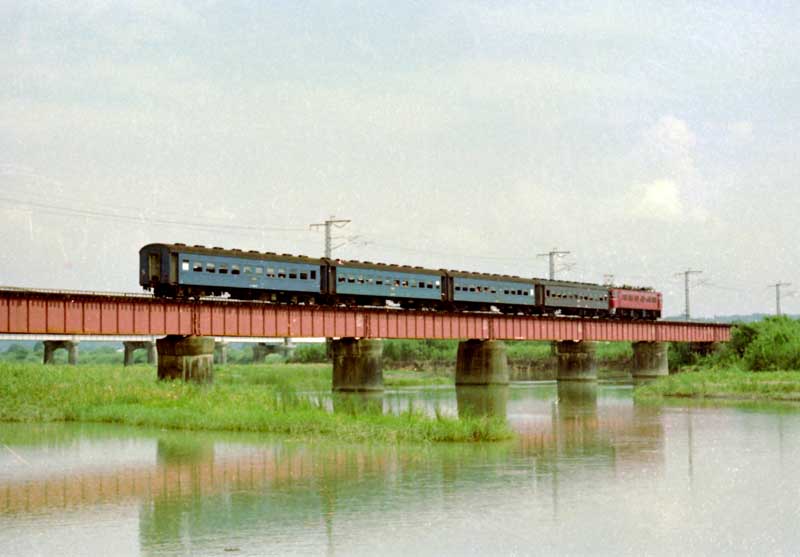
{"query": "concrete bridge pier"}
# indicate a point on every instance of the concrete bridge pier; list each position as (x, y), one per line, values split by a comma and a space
(189, 358)
(357, 364)
(288, 348)
(50, 347)
(650, 360)
(261, 350)
(481, 362)
(577, 360)
(131, 346)
(221, 353)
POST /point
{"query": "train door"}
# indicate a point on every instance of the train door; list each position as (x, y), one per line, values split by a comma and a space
(173, 268)
(153, 267)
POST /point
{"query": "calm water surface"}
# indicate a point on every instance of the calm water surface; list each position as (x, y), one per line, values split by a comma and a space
(589, 473)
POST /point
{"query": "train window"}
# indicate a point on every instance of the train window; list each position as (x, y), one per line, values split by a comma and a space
(360, 279)
(437, 284)
(281, 273)
(293, 275)
(342, 279)
(185, 265)
(247, 269)
(197, 267)
(210, 268)
(379, 282)
(531, 294)
(430, 285)
(303, 276)
(505, 292)
(351, 279)
(472, 289)
(458, 289)
(313, 275)
(493, 291)
(422, 284)
(548, 292)
(259, 270)
(223, 269)
(270, 272)
(405, 284)
(235, 270)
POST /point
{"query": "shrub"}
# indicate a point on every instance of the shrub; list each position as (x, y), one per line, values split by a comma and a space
(774, 346)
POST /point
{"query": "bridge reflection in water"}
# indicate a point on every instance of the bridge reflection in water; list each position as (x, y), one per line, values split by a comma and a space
(199, 486)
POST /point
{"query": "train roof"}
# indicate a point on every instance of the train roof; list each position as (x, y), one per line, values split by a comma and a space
(633, 288)
(385, 267)
(489, 276)
(546, 282)
(251, 254)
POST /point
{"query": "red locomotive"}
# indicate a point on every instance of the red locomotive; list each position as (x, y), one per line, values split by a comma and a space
(635, 303)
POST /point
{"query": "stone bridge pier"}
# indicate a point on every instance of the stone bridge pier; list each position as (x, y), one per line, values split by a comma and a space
(577, 360)
(50, 347)
(261, 350)
(221, 353)
(481, 362)
(650, 360)
(357, 364)
(131, 346)
(189, 358)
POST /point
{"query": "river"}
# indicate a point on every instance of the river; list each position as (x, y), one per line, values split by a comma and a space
(589, 472)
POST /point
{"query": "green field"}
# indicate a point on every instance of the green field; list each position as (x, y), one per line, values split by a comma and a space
(284, 399)
(761, 362)
(731, 383)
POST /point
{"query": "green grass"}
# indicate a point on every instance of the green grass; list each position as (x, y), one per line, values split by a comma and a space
(731, 383)
(266, 399)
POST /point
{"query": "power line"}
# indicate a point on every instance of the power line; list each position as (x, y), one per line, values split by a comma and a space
(382, 244)
(552, 256)
(777, 287)
(686, 275)
(141, 218)
(329, 225)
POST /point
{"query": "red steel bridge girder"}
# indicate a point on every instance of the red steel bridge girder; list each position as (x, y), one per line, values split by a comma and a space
(32, 312)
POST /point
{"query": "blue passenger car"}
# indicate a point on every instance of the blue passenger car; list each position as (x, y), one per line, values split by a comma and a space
(378, 282)
(484, 290)
(180, 270)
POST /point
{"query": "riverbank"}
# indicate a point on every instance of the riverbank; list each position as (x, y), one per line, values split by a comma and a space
(714, 383)
(292, 400)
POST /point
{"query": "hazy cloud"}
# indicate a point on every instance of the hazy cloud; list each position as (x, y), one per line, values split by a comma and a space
(461, 134)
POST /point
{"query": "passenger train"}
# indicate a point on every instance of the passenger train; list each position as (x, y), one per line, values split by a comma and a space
(181, 271)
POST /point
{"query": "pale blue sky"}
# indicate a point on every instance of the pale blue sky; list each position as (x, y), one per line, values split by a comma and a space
(644, 137)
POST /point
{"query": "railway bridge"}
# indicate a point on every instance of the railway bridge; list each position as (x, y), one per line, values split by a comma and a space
(186, 331)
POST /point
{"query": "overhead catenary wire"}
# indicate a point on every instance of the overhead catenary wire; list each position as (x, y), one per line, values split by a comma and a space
(141, 218)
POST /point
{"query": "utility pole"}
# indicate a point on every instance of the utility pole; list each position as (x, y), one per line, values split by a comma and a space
(329, 225)
(552, 255)
(686, 274)
(777, 287)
